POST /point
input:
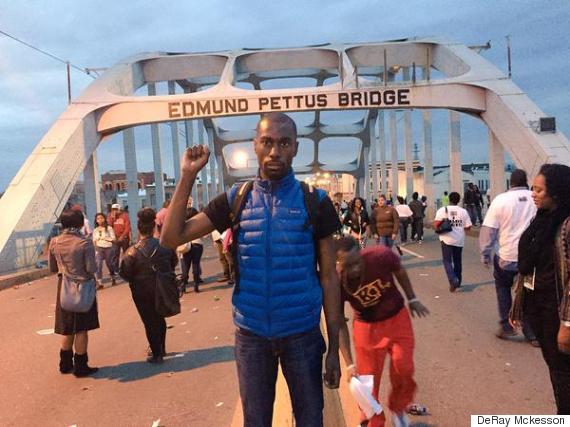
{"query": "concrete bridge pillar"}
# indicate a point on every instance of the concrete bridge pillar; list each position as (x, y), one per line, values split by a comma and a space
(131, 172)
(496, 166)
(175, 138)
(428, 165)
(374, 160)
(382, 148)
(156, 157)
(92, 188)
(365, 191)
(455, 181)
(204, 171)
(408, 144)
(394, 161)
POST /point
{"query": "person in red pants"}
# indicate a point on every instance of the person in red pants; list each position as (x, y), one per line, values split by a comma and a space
(382, 324)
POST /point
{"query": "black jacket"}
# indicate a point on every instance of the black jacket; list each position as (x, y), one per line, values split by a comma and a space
(136, 266)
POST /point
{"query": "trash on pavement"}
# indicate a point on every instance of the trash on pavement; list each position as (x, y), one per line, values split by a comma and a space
(361, 389)
(194, 310)
(45, 332)
(219, 404)
(156, 423)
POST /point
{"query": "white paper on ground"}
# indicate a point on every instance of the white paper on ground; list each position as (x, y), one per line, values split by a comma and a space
(361, 389)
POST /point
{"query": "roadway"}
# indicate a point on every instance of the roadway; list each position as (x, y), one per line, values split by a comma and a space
(462, 368)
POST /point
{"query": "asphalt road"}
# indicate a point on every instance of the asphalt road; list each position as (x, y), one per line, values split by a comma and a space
(462, 368)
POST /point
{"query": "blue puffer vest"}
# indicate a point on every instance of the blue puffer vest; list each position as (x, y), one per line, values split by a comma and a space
(279, 290)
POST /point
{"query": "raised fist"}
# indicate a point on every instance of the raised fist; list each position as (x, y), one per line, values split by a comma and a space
(194, 159)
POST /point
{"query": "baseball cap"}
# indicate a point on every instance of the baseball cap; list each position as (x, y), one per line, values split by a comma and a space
(115, 206)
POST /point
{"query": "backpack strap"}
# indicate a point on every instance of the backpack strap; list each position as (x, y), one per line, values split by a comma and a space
(311, 197)
(237, 205)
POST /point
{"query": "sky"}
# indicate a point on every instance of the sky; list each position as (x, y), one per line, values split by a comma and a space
(33, 87)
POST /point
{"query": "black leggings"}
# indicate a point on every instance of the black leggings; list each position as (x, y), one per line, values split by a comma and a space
(542, 310)
(154, 324)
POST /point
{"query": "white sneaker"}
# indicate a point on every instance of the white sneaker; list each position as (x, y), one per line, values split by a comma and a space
(400, 420)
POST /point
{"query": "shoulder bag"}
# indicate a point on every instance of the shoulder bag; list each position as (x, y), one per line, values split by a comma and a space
(74, 296)
(445, 226)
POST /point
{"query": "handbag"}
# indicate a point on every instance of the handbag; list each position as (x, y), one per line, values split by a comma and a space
(445, 225)
(166, 295)
(74, 296)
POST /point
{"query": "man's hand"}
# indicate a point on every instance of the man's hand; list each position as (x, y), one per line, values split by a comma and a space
(486, 262)
(393, 236)
(194, 159)
(418, 309)
(564, 339)
(332, 370)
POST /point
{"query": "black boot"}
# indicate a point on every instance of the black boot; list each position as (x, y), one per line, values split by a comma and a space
(66, 361)
(81, 368)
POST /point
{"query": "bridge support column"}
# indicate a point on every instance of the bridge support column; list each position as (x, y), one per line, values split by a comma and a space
(455, 180)
(213, 190)
(428, 165)
(373, 161)
(382, 148)
(365, 192)
(92, 188)
(219, 161)
(359, 186)
(156, 157)
(189, 131)
(175, 139)
(394, 161)
(496, 166)
(131, 172)
(204, 171)
(409, 159)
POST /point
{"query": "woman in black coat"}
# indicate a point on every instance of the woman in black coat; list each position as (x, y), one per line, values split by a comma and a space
(137, 269)
(358, 219)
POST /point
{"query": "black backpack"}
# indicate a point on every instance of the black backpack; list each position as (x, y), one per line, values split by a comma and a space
(312, 201)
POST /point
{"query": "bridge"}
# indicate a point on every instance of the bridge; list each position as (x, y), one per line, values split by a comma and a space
(202, 89)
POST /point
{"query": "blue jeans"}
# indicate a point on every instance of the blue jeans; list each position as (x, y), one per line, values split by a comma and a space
(386, 241)
(472, 214)
(452, 263)
(300, 355)
(503, 283)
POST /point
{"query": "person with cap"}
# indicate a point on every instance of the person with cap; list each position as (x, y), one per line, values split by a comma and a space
(121, 224)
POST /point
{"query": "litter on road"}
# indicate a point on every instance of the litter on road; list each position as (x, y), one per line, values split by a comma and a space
(45, 332)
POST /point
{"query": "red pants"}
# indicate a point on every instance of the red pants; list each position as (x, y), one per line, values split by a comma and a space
(372, 341)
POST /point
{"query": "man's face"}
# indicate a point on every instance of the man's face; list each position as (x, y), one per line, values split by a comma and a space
(275, 146)
(350, 265)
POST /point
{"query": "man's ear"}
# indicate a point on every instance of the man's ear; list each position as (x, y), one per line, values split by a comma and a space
(296, 147)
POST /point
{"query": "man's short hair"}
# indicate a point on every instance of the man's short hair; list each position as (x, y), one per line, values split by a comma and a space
(518, 178)
(415, 195)
(346, 244)
(71, 218)
(280, 118)
(454, 197)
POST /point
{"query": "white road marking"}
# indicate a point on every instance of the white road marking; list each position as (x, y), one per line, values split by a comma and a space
(411, 253)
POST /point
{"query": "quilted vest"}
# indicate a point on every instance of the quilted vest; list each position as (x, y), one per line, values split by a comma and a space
(279, 290)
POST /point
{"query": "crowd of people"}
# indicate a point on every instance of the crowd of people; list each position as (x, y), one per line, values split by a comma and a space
(291, 253)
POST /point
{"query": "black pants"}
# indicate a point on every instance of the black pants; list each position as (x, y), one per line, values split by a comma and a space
(417, 228)
(541, 309)
(154, 324)
(192, 258)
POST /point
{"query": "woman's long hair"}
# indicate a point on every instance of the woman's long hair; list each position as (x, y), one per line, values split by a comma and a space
(557, 179)
(352, 204)
(96, 224)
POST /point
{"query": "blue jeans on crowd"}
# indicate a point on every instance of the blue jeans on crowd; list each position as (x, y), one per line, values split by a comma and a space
(503, 283)
(386, 241)
(300, 355)
(452, 263)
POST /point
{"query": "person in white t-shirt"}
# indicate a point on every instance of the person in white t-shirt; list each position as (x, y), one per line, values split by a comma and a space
(405, 214)
(508, 216)
(452, 241)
